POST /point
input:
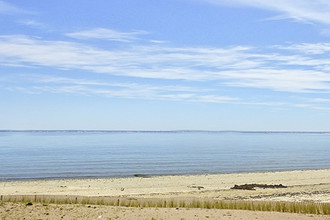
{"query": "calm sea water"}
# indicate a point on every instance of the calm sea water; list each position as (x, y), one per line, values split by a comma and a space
(77, 154)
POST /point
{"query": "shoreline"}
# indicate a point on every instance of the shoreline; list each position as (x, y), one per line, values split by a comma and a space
(301, 185)
(146, 175)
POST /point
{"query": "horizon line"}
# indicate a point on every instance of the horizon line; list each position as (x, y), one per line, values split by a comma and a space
(160, 131)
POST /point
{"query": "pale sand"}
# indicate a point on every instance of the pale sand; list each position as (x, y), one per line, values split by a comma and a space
(311, 185)
(70, 211)
(307, 185)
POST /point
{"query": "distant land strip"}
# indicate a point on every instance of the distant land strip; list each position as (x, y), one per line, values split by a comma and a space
(171, 131)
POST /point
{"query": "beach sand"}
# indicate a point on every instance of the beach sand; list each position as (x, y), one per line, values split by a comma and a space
(71, 211)
(307, 185)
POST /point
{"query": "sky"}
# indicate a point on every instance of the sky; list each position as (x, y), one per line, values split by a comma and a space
(249, 65)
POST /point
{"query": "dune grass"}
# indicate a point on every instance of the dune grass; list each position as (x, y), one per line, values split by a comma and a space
(290, 207)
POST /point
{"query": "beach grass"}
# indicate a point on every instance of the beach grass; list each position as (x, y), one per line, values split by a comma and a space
(270, 206)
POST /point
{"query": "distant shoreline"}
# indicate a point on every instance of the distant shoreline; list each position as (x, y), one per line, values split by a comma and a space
(170, 131)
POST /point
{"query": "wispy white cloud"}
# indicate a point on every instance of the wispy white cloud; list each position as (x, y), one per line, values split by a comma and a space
(283, 69)
(7, 8)
(325, 32)
(107, 34)
(309, 48)
(158, 41)
(299, 10)
(136, 61)
(33, 23)
(46, 83)
(79, 86)
(64, 85)
(320, 100)
(288, 80)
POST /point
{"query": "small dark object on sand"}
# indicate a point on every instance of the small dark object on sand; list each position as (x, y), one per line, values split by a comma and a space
(198, 187)
(253, 186)
(30, 203)
(142, 175)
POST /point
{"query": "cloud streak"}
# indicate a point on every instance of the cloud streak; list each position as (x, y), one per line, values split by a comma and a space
(107, 34)
(37, 84)
(33, 24)
(298, 10)
(9, 9)
(281, 69)
(79, 86)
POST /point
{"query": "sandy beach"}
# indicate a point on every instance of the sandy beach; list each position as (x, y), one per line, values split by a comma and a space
(51, 211)
(308, 185)
(300, 186)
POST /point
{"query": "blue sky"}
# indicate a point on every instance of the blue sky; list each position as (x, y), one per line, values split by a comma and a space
(165, 65)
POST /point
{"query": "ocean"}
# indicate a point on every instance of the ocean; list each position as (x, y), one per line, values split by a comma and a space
(94, 154)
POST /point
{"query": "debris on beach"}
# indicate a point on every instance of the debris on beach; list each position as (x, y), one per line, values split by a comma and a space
(198, 187)
(142, 175)
(253, 186)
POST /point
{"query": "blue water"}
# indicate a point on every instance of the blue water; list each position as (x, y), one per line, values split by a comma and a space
(78, 154)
